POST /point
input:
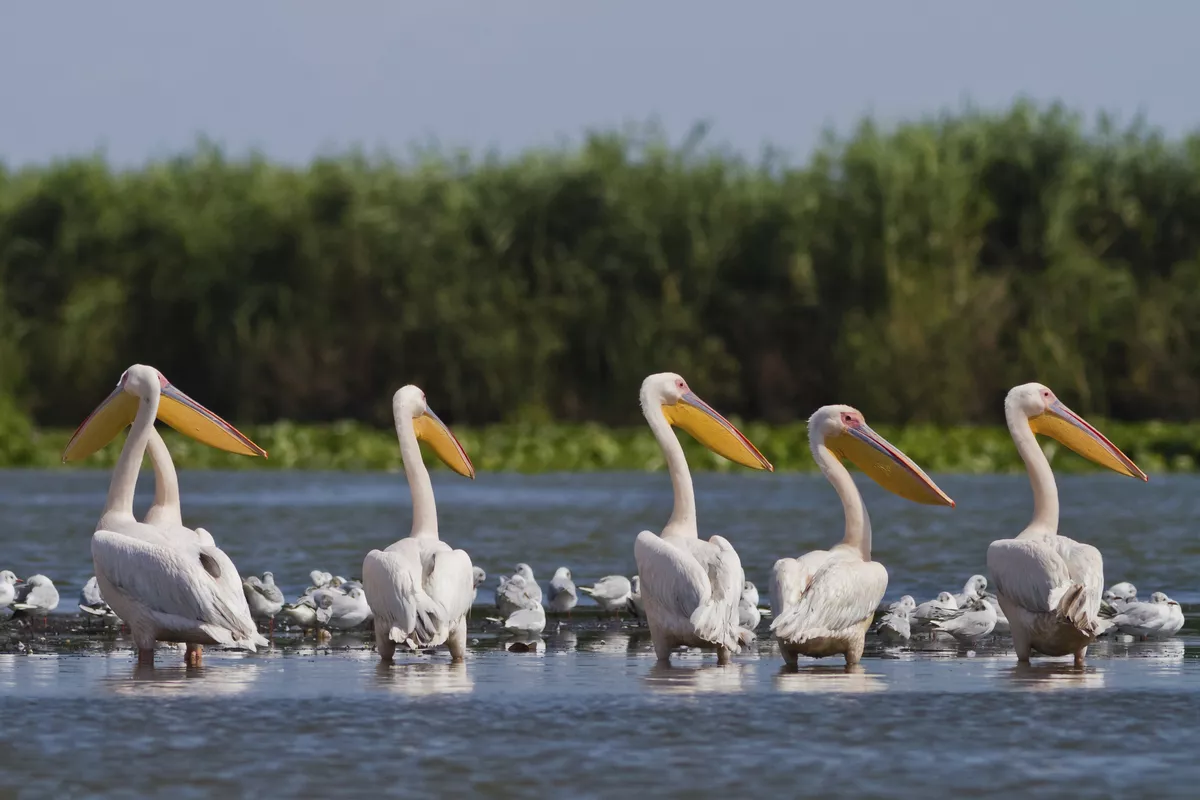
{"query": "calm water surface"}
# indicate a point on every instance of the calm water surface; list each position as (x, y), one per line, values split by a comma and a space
(591, 716)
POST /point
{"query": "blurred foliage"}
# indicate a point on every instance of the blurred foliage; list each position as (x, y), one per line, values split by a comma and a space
(566, 447)
(916, 272)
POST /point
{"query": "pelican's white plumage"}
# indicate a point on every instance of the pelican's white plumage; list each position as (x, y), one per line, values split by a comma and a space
(563, 594)
(690, 588)
(1049, 586)
(825, 601)
(419, 588)
(611, 592)
(167, 582)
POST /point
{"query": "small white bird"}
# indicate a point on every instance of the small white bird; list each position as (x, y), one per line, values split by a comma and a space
(563, 596)
(922, 617)
(8, 591)
(635, 598)
(515, 593)
(319, 579)
(478, 576)
(263, 597)
(748, 614)
(525, 622)
(1160, 618)
(975, 586)
(347, 609)
(38, 597)
(91, 602)
(970, 622)
(1002, 625)
(1116, 598)
(311, 610)
(526, 572)
(895, 625)
(610, 592)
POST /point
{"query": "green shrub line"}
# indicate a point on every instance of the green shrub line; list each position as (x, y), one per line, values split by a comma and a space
(532, 448)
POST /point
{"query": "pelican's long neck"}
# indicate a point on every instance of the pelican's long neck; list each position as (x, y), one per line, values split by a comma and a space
(424, 509)
(1041, 477)
(858, 523)
(125, 474)
(166, 508)
(683, 516)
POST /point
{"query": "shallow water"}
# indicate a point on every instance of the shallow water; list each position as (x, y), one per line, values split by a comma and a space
(592, 716)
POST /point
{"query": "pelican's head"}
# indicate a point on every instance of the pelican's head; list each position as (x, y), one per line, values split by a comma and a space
(846, 434)
(976, 586)
(1048, 416)
(142, 384)
(683, 409)
(409, 407)
(1124, 591)
(9, 577)
(478, 576)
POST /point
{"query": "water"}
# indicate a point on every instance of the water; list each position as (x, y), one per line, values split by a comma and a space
(592, 716)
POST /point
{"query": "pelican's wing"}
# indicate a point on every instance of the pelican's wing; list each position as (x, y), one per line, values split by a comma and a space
(394, 582)
(1028, 572)
(843, 593)
(184, 588)
(702, 584)
(1085, 565)
(791, 577)
(451, 582)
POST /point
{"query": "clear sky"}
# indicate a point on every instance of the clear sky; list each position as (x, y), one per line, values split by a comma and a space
(143, 78)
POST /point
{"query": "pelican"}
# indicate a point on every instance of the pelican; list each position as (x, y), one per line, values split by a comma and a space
(167, 583)
(824, 601)
(690, 588)
(1049, 586)
(419, 588)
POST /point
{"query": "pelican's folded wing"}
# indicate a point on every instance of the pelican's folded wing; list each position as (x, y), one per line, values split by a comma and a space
(184, 588)
(672, 579)
(1028, 572)
(843, 593)
(791, 577)
(451, 583)
(1085, 565)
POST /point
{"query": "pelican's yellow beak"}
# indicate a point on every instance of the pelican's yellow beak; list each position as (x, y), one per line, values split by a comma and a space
(1067, 427)
(174, 408)
(714, 431)
(886, 465)
(431, 429)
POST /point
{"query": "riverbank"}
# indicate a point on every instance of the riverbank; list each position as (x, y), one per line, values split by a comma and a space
(532, 448)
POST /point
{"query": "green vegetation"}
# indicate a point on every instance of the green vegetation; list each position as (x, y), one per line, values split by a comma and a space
(1156, 447)
(916, 273)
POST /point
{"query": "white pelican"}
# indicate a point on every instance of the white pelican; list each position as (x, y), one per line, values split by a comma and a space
(563, 595)
(690, 588)
(611, 592)
(166, 583)
(8, 587)
(419, 588)
(1049, 586)
(1160, 618)
(896, 625)
(825, 600)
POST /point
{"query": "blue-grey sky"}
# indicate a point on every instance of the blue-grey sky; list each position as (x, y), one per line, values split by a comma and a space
(143, 78)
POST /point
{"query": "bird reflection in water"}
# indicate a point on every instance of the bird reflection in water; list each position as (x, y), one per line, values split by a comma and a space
(184, 680)
(1049, 676)
(420, 679)
(848, 678)
(708, 679)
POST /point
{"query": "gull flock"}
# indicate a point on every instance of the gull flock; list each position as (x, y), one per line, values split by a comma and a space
(166, 582)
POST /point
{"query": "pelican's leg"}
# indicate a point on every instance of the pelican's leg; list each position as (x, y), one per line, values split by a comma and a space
(457, 643)
(384, 644)
(662, 646)
(724, 656)
(1080, 655)
(1022, 643)
(790, 656)
(272, 628)
(195, 655)
(145, 656)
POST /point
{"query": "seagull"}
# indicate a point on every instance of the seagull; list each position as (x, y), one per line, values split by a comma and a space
(610, 592)
(976, 586)
(895, 627)
(971, 621)
(524, 622)
(748, 614)
(563, 596)
(526, 572)
(347, 610)
(8, 591)
(478, 576)
(310, 610)
(38, 597)
(263, 597)
(1159, 619)
(922, 616)
(515, 593)
(635, 598)
(91, 602)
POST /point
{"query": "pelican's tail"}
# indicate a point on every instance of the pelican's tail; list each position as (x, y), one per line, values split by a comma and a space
(712, 623)
(1073, 609)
